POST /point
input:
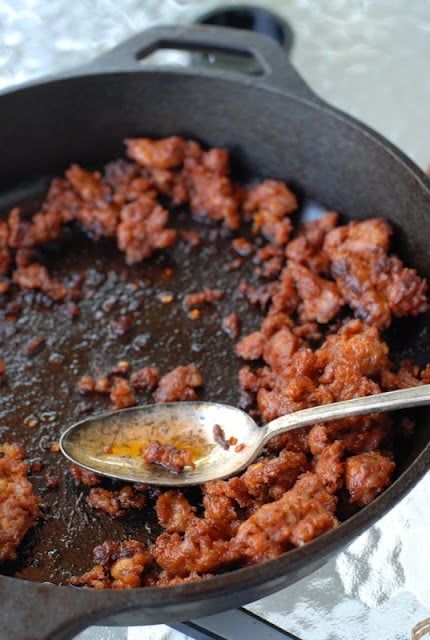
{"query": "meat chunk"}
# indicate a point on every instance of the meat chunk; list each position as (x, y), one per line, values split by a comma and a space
(179, 384)
(119, 566)
(122, 394)
(127, 181)
(201, 550)
(201, 297)
(85, 477)
(270, 478)
(166, 153)
(356, 343)
(307, 248)
(231, 325)
(375, 285)
(270, 202)
(366, 475)
(212, 194)
(142, 229)
(115, 503)
(43, 227)
(168, 456)
(19, 506)
(174, 512)
(291, 521)
(145, 379)
(320, 299)
(251, 346)
(36, 276)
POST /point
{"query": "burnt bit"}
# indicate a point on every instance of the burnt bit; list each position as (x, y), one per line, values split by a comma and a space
(219, 437)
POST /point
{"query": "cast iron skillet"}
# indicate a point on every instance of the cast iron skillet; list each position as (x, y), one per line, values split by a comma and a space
(276, 127)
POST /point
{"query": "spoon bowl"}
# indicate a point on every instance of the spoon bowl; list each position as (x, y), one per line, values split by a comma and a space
(217, 440)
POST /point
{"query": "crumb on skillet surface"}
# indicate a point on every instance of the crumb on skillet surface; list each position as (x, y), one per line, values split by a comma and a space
(325, 292)
(19, 507)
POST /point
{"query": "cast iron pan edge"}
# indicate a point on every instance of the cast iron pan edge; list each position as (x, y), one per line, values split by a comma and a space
(43, 611)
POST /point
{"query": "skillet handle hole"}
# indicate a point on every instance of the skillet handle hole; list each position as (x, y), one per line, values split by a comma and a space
(222, 57)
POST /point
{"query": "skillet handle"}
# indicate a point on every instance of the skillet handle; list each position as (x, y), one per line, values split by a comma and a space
(30, 610)
(277, 71)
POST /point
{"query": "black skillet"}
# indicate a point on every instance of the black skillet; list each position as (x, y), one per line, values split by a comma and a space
(275, 127)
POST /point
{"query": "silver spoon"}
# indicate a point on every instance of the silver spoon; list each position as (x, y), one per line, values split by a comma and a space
(221, 440)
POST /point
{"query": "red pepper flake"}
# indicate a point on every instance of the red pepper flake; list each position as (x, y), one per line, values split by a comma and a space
(194, 314)
(34, 346)
(231, 325)
(31, 422)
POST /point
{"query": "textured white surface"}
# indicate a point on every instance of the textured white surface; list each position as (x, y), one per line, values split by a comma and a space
(372, 59)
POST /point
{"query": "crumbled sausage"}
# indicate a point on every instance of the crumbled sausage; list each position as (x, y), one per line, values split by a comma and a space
(374, 285)
(122, 394)
(145, 379)
(142, 229)
(115, 503)
(168, 456)
(366, 475)
(179, 384)
(270, 202)
(19, 506)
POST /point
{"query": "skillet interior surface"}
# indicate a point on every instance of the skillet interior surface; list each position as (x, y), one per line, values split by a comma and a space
(317, 152)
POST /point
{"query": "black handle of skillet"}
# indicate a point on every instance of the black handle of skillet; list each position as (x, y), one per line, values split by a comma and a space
(44, 611)
(277, 72)
(33, 611)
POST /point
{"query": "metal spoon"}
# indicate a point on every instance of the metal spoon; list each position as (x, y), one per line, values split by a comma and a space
(221, 439)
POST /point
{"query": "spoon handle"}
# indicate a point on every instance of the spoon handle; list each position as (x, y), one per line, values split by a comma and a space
(387, 401)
